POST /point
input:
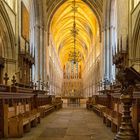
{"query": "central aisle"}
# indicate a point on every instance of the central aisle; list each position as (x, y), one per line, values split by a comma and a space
(71, 123)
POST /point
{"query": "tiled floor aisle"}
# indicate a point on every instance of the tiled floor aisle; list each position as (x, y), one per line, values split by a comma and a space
(73, 123)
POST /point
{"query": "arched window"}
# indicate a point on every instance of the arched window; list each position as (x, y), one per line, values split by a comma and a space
(7, 43)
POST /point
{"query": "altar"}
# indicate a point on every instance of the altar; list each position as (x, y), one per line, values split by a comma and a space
(73, 99)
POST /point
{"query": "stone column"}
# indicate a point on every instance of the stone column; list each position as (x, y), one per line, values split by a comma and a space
(41, 53)
(47, 54)
(47, 71)
(109, 54)
(37, 53)
(45, 57)
(113, 45)
(122, 20)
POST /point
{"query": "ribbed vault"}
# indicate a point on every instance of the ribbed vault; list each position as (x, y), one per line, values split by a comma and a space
(62, 24)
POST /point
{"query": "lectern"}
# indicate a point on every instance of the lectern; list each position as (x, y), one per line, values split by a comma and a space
(128, 77)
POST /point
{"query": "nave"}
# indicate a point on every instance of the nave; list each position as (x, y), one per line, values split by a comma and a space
(70, 123)
(56, 52)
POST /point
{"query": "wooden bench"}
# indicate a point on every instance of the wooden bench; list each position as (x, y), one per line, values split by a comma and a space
(44, 103)
(3, 88)
(58, 105)
(19, 114)
(21, 109)
(46, 109)
(117, 112)
(112, 117)
(90, 102)
(57, 102)
(97, 103)
(98, 109)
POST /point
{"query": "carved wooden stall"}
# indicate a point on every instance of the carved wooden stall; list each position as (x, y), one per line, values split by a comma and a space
(90, 102)
(21, 107)
(112, 116)
(26, 60)
(3, 88)
(21, 88)
(111, 108)
(136, 110)
(47, 104)
(101, 104)
(57, 102)
(19, 114)
(98, 103)
(1, 119)
(44, 104)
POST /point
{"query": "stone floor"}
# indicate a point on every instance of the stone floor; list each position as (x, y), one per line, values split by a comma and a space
(70, 123)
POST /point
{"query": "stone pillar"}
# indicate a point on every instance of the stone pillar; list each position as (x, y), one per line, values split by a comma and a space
(41, 53)
(45, 57)
(37, 53)
(48, 76)
(122, 20)
(107, 52)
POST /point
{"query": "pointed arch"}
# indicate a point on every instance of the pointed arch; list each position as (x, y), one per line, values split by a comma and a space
(136, 44)
(96, 7)
(7, 34)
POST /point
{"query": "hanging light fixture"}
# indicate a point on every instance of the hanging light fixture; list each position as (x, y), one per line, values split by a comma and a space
(74, 56)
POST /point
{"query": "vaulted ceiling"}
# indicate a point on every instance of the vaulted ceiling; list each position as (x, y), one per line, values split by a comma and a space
(57, 17)
(62, 25)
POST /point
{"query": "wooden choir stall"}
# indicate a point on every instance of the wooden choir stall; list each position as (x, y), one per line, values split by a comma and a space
(21, 108)
(109, 106)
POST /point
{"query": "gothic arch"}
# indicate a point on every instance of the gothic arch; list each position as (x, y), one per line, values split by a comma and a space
(95, 6)
(136, 39)
(136, 44)
(7, 35)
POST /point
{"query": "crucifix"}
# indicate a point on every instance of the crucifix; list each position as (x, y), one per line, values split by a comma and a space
(31, 84)
(13, 80)
(35, 86)
(39, 84)
(42, 85)
(6, 78)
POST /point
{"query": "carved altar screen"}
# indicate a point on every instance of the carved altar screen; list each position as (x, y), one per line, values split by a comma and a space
(24, 22)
